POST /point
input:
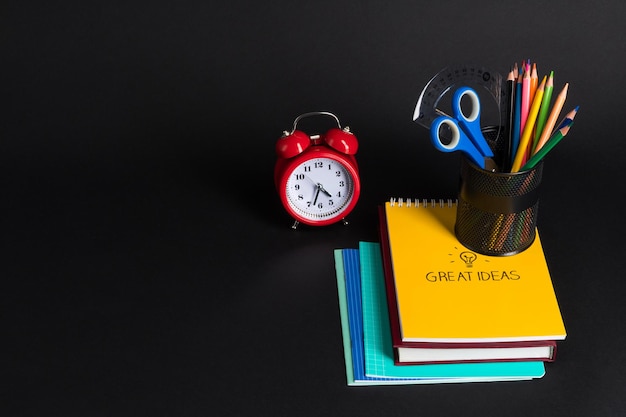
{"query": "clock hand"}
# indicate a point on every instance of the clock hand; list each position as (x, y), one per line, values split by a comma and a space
(311, 180)
(322, 189)
(316, 194)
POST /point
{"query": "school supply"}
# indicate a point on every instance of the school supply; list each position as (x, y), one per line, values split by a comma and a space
(568, 119)
(435, 100)
(554, 114)
(443, 296)
(525, 139)
(517, 115)
(552, 142)
(510, 121)
(467, 136)
(497, 211)
(526, 120)
(365, 328)
(526, 96)
(544, 109)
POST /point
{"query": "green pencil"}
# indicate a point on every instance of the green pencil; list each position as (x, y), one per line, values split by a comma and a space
(551, 143)
(543, 111)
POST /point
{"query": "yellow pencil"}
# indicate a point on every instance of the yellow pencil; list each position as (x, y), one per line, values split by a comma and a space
(528, 127)
(554, 114)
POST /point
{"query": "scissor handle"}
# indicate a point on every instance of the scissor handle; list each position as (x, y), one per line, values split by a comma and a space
(458, 110)
(458, 142)
(470, 123)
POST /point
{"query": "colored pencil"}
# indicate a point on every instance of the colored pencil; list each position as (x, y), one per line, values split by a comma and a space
(533, 90)
(534, 81)
(543, 110)
(528, 128)
(554, 113)
(517, 112)
(550, 144)
(525, 97)
(508, 148)
(569, 117)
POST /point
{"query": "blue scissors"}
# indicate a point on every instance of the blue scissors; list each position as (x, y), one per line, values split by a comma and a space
(467, 136)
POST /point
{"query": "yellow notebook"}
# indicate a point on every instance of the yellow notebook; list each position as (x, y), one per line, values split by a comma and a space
(446, 293)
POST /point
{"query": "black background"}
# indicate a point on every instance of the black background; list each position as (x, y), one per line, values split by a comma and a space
(147, 266)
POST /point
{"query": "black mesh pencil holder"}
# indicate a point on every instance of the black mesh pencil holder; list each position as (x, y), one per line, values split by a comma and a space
(497, 211)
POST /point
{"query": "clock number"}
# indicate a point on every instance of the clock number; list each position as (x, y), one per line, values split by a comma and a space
(319, 165)
(342, 183)
(306, 169)
(296, 187)
(300, 197)
(337, 173)
(299, 176)
(339, 194)
(330, 202)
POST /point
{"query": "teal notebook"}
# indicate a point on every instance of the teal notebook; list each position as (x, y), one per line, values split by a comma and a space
(376, 336)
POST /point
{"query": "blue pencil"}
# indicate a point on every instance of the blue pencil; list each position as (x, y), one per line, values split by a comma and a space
(511, 82)
(569, 117)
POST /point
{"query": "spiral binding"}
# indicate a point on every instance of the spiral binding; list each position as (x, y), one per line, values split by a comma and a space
(425, 202)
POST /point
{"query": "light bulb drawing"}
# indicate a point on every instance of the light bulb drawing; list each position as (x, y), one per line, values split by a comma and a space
(468, 258)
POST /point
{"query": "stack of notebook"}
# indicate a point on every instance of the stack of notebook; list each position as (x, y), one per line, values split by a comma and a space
(419, 308)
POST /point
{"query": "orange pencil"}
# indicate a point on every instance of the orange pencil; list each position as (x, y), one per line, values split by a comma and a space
(528, 129)
(554, 114)
(534, 81)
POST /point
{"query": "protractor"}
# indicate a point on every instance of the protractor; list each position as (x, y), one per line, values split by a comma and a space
(435, 99)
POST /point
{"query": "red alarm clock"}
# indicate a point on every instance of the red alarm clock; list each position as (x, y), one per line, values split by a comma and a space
(316, 176)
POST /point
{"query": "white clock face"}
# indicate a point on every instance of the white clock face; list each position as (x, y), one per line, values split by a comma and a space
(319, 189)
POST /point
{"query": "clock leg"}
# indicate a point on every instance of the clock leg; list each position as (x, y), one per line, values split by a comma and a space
(295, 224)
(345, 221)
